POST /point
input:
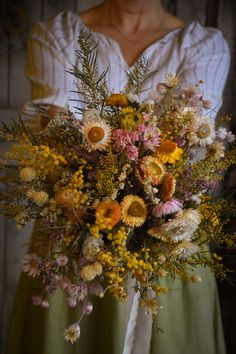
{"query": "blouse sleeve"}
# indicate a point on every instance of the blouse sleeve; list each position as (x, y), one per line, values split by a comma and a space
(46, 66)
(207, 58)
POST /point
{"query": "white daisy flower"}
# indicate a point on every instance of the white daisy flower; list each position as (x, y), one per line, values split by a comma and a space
(201, 132)
(96, 134)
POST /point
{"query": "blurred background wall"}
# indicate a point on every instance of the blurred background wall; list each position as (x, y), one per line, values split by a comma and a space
(16, 19)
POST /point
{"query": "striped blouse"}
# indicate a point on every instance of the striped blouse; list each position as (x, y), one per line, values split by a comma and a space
(195, 53)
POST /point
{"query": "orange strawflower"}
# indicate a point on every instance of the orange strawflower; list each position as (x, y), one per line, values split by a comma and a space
(150, 169)
(167, 187)
(108, 212)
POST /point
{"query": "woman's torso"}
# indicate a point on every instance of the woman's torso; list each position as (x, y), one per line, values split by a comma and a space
(194, 52)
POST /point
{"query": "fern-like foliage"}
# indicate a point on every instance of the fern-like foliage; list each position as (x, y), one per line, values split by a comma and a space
(92, 86)
(137, 77)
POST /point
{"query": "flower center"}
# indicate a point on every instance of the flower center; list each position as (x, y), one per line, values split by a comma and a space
(33, 263)
(108, 213)
(204, 131)
(136, 209)
(155, 168)
(168, 146)
(96, 134)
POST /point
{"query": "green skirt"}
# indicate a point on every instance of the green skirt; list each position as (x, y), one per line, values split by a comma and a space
(190, 322)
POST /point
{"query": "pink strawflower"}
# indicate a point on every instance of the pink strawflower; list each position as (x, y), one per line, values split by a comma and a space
(37, 300)
(32, 264)
(169, 207)
(62, 260)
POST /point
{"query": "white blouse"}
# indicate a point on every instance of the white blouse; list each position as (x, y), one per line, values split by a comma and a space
(195, 53)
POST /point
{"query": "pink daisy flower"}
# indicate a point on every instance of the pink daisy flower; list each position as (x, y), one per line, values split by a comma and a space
(169, 207)
(150, 137)
(32, 264)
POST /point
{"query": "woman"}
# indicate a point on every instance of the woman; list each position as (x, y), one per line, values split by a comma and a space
(125, 30)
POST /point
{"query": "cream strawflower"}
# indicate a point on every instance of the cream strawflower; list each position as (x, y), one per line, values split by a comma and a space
(91, 247)
(178, 229)
(72, 333)
(201, 132)
(96, 134)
